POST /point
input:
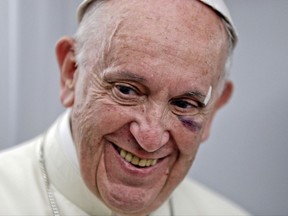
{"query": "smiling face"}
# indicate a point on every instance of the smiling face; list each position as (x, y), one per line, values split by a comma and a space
(140, 103)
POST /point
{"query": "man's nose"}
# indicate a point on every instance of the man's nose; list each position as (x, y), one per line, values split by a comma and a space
(149, 131)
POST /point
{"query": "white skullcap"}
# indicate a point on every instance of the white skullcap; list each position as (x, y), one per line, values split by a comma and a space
(217, 5)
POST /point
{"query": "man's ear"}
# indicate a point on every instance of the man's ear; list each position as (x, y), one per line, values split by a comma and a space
(67, 66)
(220, 102)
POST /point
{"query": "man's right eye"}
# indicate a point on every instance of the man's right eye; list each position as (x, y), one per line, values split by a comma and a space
(126, 90)
(127, 94)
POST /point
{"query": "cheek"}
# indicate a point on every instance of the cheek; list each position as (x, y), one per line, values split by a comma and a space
(92, 121)
(188, 135)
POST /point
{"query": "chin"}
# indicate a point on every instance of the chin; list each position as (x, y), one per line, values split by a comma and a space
(128, 200)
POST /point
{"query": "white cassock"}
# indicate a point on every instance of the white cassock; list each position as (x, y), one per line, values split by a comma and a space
(23, 191)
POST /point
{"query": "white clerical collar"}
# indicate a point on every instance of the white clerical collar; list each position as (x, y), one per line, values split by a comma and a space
(66, 139)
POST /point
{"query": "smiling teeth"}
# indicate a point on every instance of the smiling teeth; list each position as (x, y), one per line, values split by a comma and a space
(136, 160)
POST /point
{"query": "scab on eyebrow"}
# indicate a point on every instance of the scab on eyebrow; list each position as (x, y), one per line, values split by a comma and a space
(204, 99)
(208, 96)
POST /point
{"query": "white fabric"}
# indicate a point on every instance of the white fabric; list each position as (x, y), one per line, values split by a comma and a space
(23, 192)
(66, 138)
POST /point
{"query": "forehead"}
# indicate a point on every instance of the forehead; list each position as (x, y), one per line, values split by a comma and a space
(167, 19)
(184, 29)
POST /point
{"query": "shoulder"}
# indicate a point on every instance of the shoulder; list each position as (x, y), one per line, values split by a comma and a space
(15, 158)
(193, 198)
(20, 183)
(18, 163)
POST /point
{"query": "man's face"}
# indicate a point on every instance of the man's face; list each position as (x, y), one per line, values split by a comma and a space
(139, 116)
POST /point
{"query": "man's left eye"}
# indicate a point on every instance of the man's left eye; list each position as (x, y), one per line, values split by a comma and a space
(181, 104)
(184, 107)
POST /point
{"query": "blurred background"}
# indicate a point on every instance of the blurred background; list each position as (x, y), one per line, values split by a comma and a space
(246, 155)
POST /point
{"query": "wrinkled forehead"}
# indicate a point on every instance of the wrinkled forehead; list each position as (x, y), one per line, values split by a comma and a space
(185, 27)
(218, 6)
(183, 36)
(180, 25)
(184, 21)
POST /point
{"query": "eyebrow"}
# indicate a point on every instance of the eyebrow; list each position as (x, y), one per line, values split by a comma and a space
(195, 94)
(123, 75)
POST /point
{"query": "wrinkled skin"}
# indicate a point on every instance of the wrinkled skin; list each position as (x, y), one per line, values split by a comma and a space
(134, 95)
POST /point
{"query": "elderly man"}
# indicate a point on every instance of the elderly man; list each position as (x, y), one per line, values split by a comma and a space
(142, 81)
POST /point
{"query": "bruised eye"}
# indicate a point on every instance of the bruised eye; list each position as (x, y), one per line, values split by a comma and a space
(185, 107)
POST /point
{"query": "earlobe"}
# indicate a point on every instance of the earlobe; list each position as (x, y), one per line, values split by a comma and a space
(221, 101)
(67, 66)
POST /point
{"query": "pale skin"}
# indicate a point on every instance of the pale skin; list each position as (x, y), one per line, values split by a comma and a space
(145, 96)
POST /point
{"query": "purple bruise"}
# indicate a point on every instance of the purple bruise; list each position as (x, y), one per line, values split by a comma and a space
(190, 124)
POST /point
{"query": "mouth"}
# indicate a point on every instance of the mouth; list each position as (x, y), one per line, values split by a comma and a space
(134, 160)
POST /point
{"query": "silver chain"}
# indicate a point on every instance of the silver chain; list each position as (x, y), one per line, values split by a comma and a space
(50, 194)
